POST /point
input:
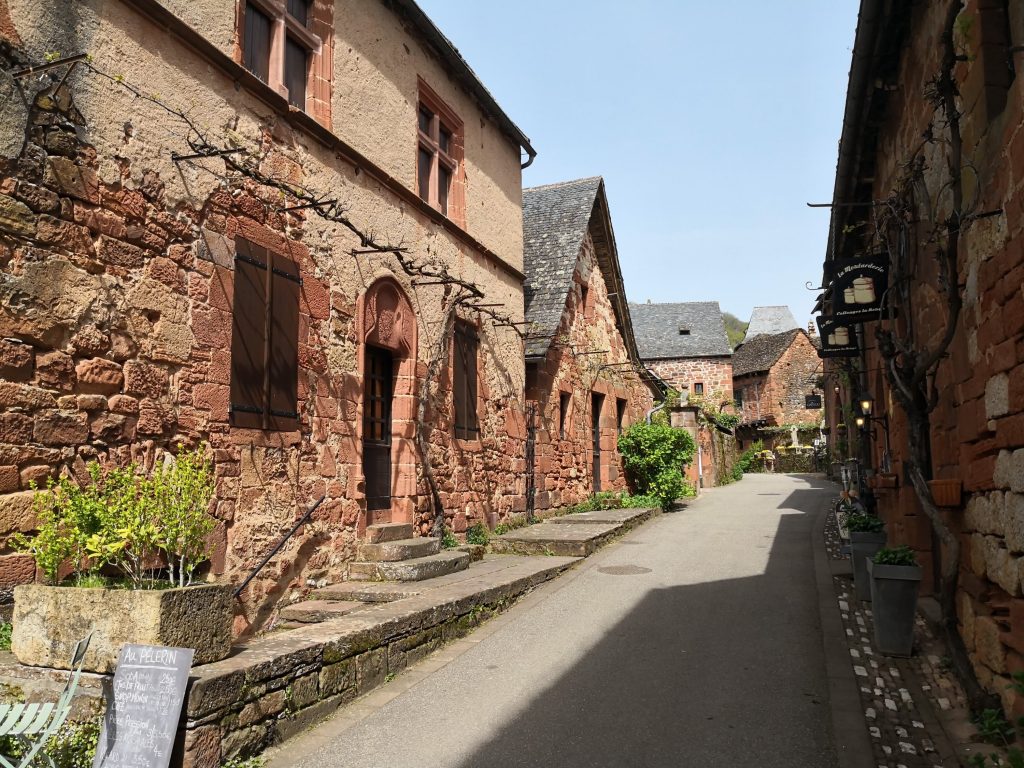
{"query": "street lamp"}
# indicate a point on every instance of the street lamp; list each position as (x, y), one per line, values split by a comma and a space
(866, 402)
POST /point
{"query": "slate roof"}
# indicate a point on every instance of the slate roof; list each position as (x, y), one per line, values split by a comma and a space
(760, 353)
(657, 326)
(770, 320)
(555, 221)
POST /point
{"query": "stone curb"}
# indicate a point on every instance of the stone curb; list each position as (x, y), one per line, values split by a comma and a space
(849, 731)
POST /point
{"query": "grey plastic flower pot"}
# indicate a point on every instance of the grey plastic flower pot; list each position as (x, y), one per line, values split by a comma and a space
(894, 605)
(862, 548)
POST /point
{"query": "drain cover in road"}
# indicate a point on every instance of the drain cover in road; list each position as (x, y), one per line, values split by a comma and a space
(623, 570)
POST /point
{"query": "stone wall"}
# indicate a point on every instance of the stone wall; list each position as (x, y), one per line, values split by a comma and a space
(564, 462)
(715, 373)
(117, 289)
(977, 428)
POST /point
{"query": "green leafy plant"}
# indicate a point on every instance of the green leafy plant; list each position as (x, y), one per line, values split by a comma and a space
(448, 540)
(123, 520)
(653, 456)
(245, 762)
(901, 555)
(993, 728)
(638, 501)
(477, 534)
(5, 636)
(72, 746)
(860, 522)
(510, 524)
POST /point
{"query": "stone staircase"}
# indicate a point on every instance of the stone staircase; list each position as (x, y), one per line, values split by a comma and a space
(391, 557)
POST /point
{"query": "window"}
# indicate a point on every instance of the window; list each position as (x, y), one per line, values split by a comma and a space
(564, 399)
(277, 45)
(584, 295)
(698, 388)
(738, 396)
(264, 339)
(437, 160)
(684, 331)
(620, 414)
(467, 345)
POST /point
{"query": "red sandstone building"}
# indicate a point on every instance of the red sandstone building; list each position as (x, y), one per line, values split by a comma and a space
(249, 224)
(775, 383)
(584, 377)
(935, 88)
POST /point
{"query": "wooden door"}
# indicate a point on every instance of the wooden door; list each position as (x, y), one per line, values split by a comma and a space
(377, 396)
(596, 402)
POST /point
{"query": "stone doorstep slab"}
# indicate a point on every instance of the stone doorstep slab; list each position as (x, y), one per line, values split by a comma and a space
(415, 569)
(383, 591)
(308, 611)
(223, 684)
(621, 516)
(579, 540)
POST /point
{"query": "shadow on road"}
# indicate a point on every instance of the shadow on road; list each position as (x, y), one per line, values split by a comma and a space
(726, 673)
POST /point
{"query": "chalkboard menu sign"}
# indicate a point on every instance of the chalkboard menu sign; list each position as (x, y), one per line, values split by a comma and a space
(812, 401)
(143, 707)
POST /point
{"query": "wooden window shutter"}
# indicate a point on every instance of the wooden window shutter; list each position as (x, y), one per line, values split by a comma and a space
(248, 335)
(466, 345)
(284, 348)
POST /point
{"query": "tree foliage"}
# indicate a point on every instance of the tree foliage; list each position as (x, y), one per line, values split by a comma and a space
(653, 456)
(735, 329)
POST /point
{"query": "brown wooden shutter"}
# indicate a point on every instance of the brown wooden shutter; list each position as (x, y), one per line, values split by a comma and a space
(248, 335)
(466, 423)
(284, 344)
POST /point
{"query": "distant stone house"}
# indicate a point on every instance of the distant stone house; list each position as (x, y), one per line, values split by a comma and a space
(685, 345)
(584, 377)
(773, 377)
(267, 276)
(770, 320)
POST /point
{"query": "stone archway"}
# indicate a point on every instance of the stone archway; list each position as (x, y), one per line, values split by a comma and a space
(387, 363)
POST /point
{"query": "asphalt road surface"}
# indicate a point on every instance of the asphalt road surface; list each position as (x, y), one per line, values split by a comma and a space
(695, 640)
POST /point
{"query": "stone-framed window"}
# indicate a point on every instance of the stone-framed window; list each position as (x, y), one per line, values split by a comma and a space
(466, 344)
(620, 414)
(698, 388)
(564, 403)
(264, 339)
(440, 176)
(287, 45)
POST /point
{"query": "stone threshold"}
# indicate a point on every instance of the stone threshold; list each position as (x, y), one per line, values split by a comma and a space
(578, 534)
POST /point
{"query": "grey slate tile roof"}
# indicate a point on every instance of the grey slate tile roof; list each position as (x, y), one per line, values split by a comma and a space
(555, 221)
(760, 353)
(657, 330)
(770, 320)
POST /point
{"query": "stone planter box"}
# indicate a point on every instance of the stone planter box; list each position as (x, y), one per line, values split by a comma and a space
(863, 546)
(48, 621)
(946, 493)
(894, 606)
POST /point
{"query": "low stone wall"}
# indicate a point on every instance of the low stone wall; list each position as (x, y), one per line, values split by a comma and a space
(794, 462)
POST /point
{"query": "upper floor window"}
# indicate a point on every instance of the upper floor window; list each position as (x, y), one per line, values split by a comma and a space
(564, 400)
(278, 46)
(439, 154)
(698, 388)
(620, 414)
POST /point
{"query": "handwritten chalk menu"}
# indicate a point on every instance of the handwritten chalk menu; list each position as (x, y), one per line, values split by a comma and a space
(143, 707)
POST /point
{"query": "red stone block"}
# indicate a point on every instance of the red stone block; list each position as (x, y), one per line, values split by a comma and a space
(144, 379)
(76, 181)
(124, 404)
(57, 428)
(15, 570)
(167, 272)
(99, 375)
(10, 480)
(15, 360)
(215, 398)
(212, 328)
(15, 428)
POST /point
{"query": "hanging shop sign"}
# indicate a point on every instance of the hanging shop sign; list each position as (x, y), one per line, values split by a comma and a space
(838, 337)
(812, 402)
(859, 288)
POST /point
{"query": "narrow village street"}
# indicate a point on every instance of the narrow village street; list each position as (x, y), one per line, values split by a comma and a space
(694, 640)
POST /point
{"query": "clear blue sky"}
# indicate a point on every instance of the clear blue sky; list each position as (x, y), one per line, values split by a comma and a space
(712, 124)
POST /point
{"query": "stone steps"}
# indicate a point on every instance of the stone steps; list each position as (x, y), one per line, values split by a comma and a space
(382, 532)
(577, 540)
(414, 569)
(400, 549)
(312, 611)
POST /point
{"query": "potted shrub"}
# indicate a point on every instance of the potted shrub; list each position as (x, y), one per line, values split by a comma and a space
(895, 576)
(867, 536)
(946, 493)
(104, 550)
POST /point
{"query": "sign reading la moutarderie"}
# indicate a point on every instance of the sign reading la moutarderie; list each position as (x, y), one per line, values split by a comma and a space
(859, 288)
(838, 338)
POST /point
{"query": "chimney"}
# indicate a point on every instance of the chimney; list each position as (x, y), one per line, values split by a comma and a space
(810, 328)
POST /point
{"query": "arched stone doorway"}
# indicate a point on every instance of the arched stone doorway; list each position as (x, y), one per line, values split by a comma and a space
(387, 360)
